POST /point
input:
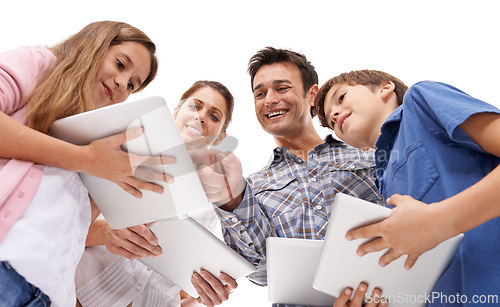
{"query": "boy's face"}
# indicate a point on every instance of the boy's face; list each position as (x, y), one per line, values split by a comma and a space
(356, 113)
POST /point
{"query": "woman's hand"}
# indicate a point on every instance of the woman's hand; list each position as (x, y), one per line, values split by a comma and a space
(133, 242)
(211, 291)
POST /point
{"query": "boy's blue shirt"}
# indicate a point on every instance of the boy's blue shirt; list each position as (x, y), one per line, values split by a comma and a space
(422, 152)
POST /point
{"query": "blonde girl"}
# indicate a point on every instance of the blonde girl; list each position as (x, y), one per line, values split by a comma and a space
(44, 207)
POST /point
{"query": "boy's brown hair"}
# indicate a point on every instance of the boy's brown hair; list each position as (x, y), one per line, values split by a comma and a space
(369, 78)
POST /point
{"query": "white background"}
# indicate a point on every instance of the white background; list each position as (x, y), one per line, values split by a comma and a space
(452, 41)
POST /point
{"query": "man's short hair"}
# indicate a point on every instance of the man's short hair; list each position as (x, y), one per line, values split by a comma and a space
(270, 55)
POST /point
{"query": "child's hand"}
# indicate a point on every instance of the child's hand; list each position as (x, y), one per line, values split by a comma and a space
(104, 158)
(412, 229)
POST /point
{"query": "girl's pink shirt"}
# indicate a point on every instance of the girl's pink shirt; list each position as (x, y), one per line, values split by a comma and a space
(20, 71)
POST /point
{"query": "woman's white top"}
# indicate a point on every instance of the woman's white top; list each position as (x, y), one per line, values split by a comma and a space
(47, 242)
(105, 279)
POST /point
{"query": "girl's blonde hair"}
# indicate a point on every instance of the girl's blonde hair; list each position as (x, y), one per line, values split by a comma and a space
(66, 90)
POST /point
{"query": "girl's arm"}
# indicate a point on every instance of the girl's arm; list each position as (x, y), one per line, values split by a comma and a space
(101, 158)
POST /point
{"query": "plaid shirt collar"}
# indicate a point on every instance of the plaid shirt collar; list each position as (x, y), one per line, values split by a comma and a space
(279, 153)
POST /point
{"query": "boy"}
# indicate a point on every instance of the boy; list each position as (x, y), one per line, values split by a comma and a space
(435, 145)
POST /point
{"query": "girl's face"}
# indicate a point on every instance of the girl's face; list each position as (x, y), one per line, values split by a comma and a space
(122, 70)
(201, 117)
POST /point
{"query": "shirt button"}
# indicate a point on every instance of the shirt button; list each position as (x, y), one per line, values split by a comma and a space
(234, 219)
(312, 179)
(20, 195)
(353, 167)
(319, 207)
(139, 288)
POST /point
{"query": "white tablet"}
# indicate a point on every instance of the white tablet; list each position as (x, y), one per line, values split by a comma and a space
(340, 267)
(187, 248)
(161, 136)
(291, 265)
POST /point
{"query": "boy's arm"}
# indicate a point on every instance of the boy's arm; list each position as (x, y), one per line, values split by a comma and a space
(411, 227)
(484, 129)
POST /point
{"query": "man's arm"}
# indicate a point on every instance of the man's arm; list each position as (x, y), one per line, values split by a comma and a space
(234, 203)
(245, 230)
(221, 177)
(245, 225)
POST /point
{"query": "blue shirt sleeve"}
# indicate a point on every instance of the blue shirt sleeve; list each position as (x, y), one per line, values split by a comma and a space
(448, 107)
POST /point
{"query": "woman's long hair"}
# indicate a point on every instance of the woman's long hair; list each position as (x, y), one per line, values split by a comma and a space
(67, 89)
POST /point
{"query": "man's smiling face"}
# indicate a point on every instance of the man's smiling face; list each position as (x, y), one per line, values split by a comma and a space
(281, 105)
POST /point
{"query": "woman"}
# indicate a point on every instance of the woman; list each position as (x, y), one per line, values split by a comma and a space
(103, 278)
(44, 206)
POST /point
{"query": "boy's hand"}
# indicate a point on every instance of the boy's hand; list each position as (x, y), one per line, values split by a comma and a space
(412, 229)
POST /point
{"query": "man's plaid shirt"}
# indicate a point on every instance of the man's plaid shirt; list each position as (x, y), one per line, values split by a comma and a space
(293, 198)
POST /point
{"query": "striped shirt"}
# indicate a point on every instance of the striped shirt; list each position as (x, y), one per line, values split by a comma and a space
(293, 198)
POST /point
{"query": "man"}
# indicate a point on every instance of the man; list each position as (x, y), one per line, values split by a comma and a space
(292, 196)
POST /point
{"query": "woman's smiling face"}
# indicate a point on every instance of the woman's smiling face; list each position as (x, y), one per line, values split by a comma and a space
(201, 116)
